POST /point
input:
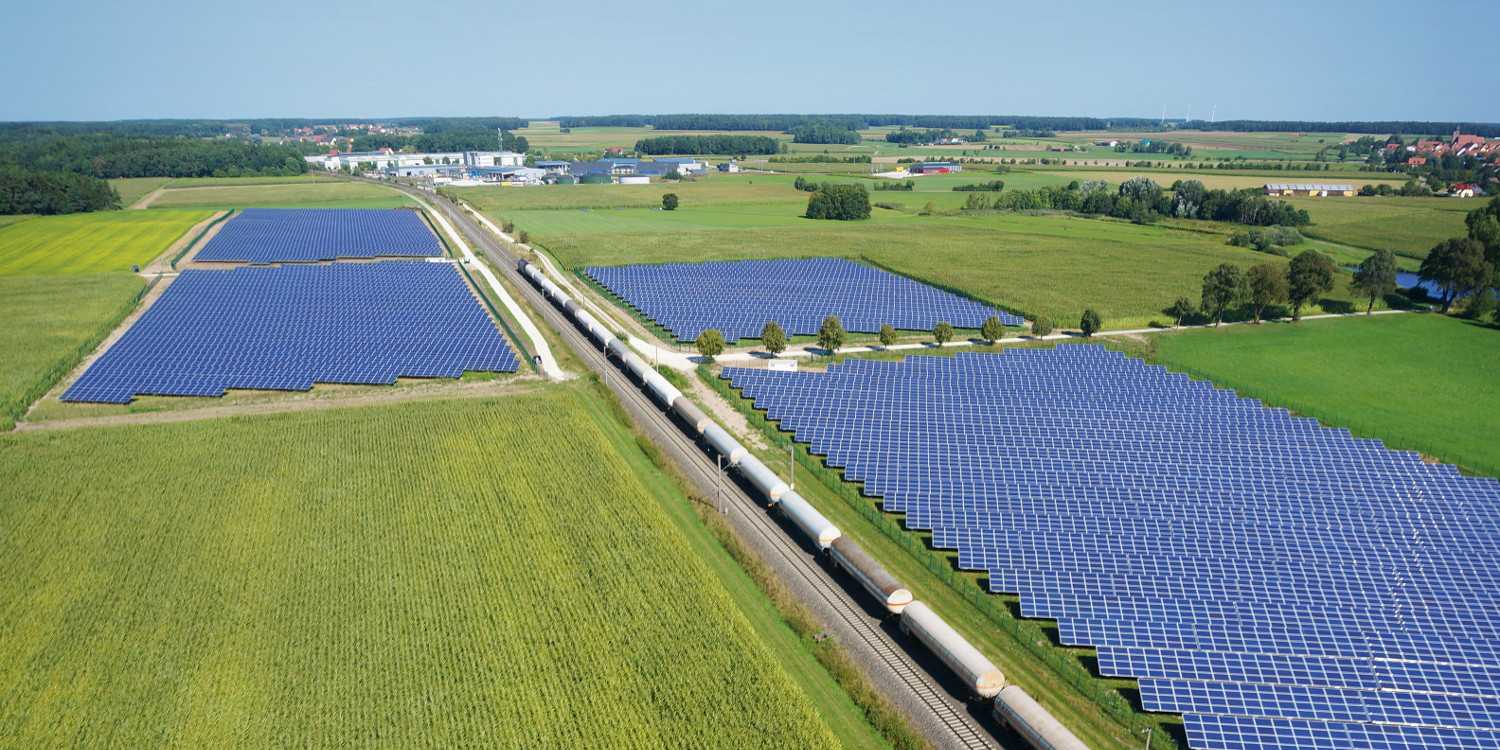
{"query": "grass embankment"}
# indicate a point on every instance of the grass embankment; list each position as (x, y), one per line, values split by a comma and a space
(311, 576)
(1027, 652)
(132, 189)
(1417, 382)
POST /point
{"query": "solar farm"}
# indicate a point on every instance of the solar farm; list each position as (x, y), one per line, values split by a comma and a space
(739, 297)
(286, 327)
(279, 235)
(1276, 582)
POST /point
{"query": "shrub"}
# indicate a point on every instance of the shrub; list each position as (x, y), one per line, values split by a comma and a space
(839, 202)
(669, 202)
(773, 337)
(831, 334)
(1090, 322)
(710, 343)
(993, 329)
(1042, 326)
(887, 334)
(942, 333)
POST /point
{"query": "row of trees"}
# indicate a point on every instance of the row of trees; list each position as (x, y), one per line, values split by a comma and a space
(109, 156)
(918, 137)
(822, 131)
(447, 140)
(1143, 201)
(831, 335)
(1154, 147)
(24, 191)
(1469, 265)
(720, 145)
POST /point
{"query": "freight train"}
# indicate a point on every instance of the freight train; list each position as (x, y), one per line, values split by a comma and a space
(1012, 706)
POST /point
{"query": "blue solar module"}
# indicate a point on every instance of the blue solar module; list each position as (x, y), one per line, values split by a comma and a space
(287, 327)
(739, 297)
(1277, 582)
(290, 235)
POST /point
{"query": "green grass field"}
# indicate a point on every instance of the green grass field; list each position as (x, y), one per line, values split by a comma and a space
(1051, 264)
(50, 323)
(91, 242)
(1418, 382)
(9, 219)
(132, 189)
(416, 580)
(302, 179)
(304, 193)
(1406, 226)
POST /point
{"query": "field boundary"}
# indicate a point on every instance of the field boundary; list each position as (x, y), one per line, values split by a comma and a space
(1028, 633)
(64, 367)
(190, 245)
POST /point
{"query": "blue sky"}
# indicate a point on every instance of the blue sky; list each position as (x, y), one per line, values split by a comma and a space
(1339, 60)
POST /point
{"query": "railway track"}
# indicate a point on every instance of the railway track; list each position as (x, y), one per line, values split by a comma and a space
(947, 723)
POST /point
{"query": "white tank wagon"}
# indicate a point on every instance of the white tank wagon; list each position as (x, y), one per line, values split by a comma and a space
(617, 348)
(727, 446)
(691, 415)
(541, 280)
(765, 480)
(590, 324)
(665, 392)
(1018, 710)
(820, 530)
(871, 575)
(637, 366)
(979, 673)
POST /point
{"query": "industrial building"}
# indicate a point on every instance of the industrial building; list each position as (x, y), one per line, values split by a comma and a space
(935, 167)
(1316, 190)
(386, 160)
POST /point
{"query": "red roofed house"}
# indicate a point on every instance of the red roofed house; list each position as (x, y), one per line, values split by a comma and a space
(1416, 161)
(1463, 190)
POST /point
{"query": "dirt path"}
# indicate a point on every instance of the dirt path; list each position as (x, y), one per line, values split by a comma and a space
(163, 263)
(146, 200)
(724, 413)
(309, 401)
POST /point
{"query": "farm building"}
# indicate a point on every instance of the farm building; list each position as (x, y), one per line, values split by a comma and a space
(729, 167)
(1465, 190)
(555, 167)
(508, 175)
(1310, 188)
(935, 167)
(684, 165)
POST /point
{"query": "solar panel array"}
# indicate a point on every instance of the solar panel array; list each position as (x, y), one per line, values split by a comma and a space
(739, 297)
(286, 327)
(276, 235)
(1280, 583)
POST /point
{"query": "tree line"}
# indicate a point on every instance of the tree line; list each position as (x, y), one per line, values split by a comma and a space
(823, 131)
(720, 145)
(109, 156)
(1141, 200)
(24, 191)
(446, 140)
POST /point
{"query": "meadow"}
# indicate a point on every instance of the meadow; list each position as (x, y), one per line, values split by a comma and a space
(132, 189)
(1408, 227)
(303, 193)
(1228, 179)
(51, 323)
(405, 575)
(1049, 264)
(1418, 382)
(91, 242)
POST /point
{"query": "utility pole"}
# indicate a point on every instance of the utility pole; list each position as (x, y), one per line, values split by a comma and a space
(791, 464)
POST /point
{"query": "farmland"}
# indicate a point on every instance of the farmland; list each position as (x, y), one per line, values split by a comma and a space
(91, 242)
(417, 578)
(50, 323)
(1406, 226)
(132, 189)
(1418, 382)
(303, 193)
(1050, 264)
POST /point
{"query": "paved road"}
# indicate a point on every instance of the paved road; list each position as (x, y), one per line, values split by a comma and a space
(904, 672)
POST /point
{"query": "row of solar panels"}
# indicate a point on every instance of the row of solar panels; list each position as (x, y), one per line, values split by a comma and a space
(1197, 539)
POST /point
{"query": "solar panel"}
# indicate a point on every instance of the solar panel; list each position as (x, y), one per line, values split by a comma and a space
(285, 328)
(740, 297)
(275, 235)
(1277, 582)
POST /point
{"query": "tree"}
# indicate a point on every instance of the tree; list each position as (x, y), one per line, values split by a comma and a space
(841, 202)
(710, 343)
(887, 334)
(993, 329)
(773, 337)
(1090, 323)
(831, 334)
(1222, 287)
(1267, 283)
(942, 333)
(1310, 275)
(669, 202)
(1375, 277)
(1181, 309)
(1457, 266)
(1041, 326)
